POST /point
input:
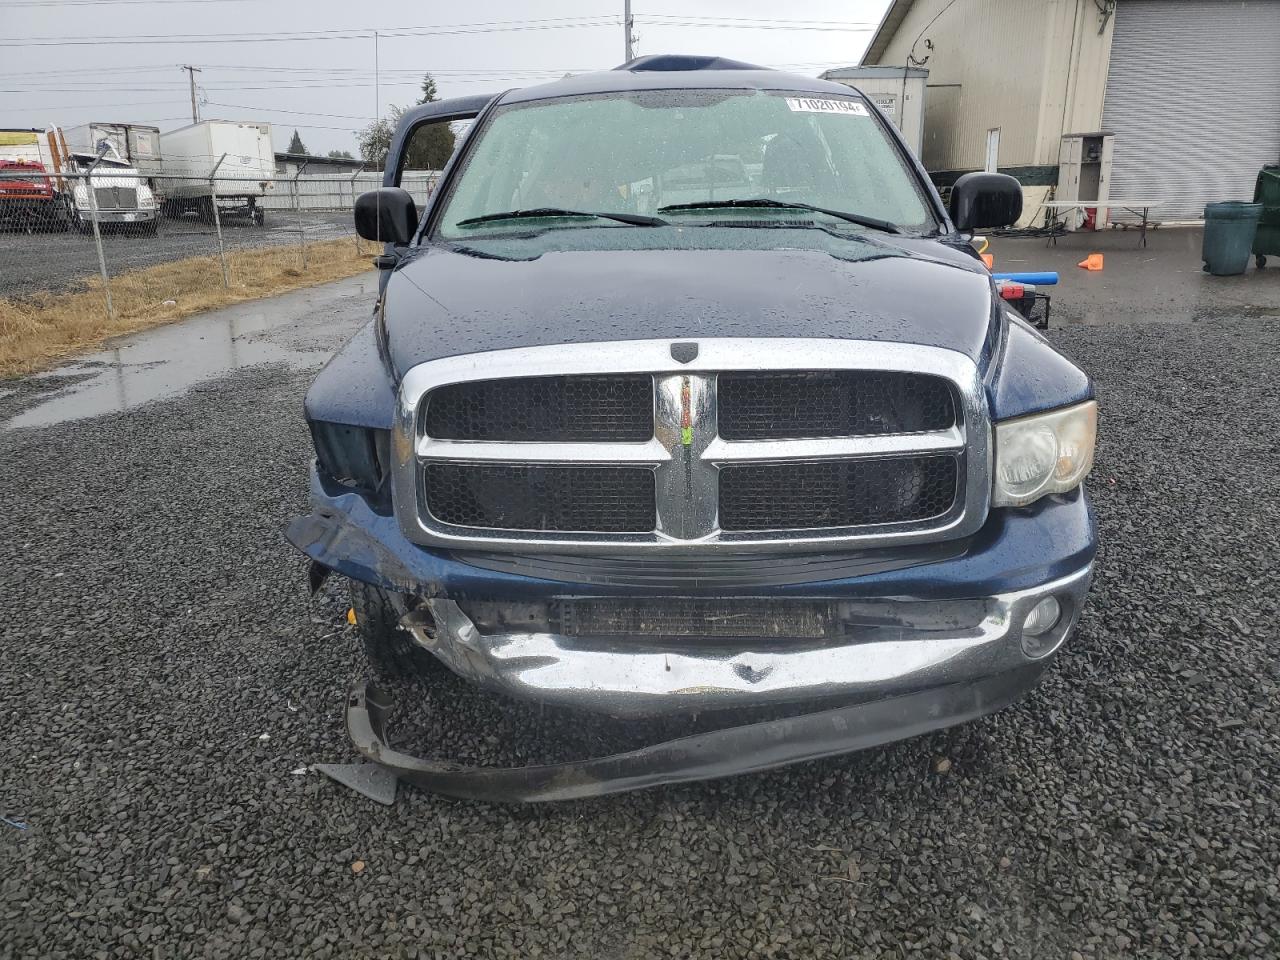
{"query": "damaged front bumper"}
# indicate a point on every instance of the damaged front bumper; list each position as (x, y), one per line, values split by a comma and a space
(907, 650)
(890, 646)
(736, 750)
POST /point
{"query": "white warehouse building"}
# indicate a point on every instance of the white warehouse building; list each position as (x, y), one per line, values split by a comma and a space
(1188, 90)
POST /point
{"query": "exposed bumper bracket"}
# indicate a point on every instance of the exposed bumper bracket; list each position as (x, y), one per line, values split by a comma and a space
(718, 753)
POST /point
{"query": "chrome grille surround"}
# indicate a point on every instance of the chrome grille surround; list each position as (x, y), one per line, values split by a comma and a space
(687, 469)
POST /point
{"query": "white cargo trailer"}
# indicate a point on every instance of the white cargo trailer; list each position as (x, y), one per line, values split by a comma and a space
(194, 176)
(897, 91)
(136, 143)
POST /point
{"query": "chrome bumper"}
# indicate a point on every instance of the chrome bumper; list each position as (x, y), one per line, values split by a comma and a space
(120, 216)
(905, 645)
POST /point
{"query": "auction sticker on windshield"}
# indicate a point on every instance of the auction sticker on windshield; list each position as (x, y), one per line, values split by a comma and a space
(850, 108)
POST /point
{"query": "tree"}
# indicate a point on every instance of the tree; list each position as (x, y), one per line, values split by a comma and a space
(375, 140)
(296, 145)
(341, 155)
(430, 147)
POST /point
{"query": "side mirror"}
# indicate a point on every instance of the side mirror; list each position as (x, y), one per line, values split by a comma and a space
(985, 200)
(386, 215)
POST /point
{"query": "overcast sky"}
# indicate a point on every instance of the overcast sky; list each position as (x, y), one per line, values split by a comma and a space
(310, 64)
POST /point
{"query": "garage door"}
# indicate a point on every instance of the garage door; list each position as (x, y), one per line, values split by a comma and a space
(1193, 97)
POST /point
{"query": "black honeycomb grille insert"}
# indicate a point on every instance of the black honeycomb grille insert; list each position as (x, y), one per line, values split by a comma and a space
(836, 493)
(567, 499)
(831, 403)
(603, 409)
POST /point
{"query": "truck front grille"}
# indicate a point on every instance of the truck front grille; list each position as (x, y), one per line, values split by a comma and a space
(504, 497)
(837, 493)
(768, 444)
(116, 198)
(589, 409)
(832, 403)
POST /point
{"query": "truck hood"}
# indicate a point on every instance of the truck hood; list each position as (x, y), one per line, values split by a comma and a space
(445, 301)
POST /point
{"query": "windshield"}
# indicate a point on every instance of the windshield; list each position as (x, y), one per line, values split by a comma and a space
(663, 152)
(84, 161)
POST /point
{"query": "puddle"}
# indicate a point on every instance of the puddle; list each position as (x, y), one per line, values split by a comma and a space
(170, 360)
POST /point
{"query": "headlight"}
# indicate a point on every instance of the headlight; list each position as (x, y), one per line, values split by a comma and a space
(1044, 453)
(146, 199)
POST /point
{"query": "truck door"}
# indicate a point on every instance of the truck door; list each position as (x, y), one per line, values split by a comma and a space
(246, 160)
(424, 139)
(420, 126)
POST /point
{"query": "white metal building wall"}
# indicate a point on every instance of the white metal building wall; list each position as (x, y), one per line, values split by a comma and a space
(1193, 97)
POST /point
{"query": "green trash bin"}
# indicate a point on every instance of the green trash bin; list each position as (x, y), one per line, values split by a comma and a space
(1229, 228)
(1266, 242)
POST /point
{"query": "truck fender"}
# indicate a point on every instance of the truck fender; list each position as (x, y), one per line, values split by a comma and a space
(356, 386)
(1031, 376)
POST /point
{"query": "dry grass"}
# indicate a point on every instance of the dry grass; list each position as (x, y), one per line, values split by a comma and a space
(38, 330)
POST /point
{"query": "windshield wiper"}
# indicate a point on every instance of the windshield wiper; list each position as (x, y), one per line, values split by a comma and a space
(873, 223)
(634, 219)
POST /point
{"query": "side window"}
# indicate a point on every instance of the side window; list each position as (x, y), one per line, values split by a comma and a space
(429, 148)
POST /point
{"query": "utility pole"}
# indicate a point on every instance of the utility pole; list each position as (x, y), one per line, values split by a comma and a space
(195, 110)
(626, 26)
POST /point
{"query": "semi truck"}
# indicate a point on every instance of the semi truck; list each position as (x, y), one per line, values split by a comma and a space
(226, 162)
(121, 196)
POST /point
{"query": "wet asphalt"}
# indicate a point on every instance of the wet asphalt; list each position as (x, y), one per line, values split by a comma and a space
(167, 681)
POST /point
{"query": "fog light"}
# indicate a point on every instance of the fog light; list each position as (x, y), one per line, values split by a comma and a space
(1043, 617)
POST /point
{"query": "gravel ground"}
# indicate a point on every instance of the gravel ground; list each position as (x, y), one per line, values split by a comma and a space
(31, 263)
(165, 671)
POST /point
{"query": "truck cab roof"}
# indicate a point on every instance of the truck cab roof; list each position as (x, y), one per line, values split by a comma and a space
(671, 71)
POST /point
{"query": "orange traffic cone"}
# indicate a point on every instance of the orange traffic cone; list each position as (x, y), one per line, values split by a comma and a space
(1092, 262)
(989, 259)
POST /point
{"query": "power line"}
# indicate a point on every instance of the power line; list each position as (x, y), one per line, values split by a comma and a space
(758, 20)
(493, 26)
(115, 104)
(15, 84)
(302, 78)
(334, 72)
(291, 123)
(82, 70)
(317, 84)
(300, 113)
(757, 26)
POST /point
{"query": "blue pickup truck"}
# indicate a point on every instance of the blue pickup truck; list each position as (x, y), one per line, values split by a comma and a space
(685, 393)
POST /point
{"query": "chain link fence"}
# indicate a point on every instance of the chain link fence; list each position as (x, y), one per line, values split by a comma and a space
(102, 230)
